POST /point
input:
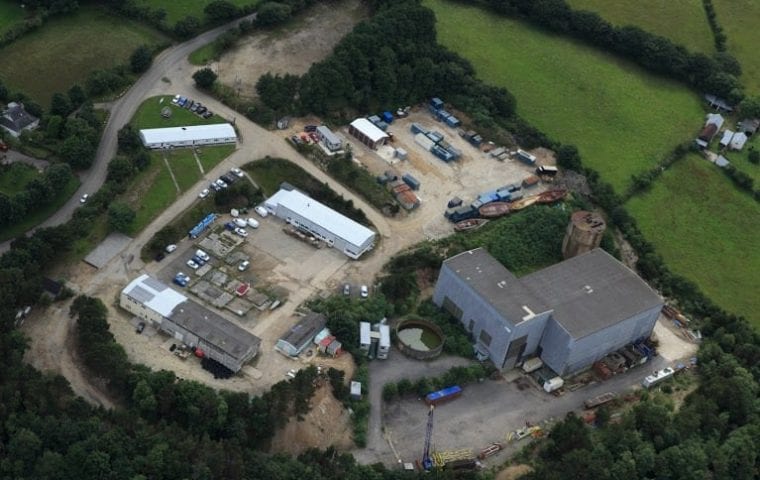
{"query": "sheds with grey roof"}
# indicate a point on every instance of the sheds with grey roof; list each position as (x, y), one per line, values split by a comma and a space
(295, 340)
(738, 140)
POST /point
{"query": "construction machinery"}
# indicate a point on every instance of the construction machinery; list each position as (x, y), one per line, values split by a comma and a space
(427, 462)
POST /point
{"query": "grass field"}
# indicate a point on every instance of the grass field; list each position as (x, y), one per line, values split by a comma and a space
(154, 190)
(707, 231)
(149, 115)
(682, 21)
(203, 55)
(38, 216)
(740, 20)
(10, 14)
(66, 49)
(177, 10)
(622, 119)
(14, 177)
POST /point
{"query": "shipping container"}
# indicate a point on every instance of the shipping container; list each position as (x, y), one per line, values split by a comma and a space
(374, 119)
(435, 136)
(462, 213)
(455, 152)
(449, 393)
(364, 339)
(498, 151)
(408, 200)
(387, 117)
(436, 103)
(453, 121)
(442, 115)
(504, 195)
(417, 128)
(442, 153)
(423, 141)
(516, 195)
(401, 154)
(411, 181)
(525, 157)
(382, 125)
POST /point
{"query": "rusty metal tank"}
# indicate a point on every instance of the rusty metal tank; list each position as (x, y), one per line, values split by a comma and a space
(584, 233)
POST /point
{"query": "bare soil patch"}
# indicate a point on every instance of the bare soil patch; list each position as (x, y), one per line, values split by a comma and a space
(291, 50)
(326, 424)
(513, 472)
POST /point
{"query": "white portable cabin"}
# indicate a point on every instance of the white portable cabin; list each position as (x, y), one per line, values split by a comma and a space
(384, 346)
(188, 136)
(365, 339)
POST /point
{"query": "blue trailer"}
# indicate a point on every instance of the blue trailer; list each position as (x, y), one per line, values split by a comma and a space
(203, 225)
(387, 117)
(448, 393)
(453, 121)
(436, 103)
(413, 183)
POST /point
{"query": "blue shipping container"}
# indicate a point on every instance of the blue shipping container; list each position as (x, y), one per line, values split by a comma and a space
(417, 128)
(374, 119)
(443, 395)
(443, 115)
(413, 183)
(436, 103)
(453, 121)
(387, 117)
(382, 125)
(434, 136)
(442, 153)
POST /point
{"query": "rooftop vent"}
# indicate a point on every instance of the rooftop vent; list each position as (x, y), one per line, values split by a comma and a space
(588, 289)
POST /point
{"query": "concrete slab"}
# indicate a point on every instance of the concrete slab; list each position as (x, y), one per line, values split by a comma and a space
(111, 246)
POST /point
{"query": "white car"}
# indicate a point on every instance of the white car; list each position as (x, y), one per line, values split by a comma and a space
(170, 248)
(261, 211)
(204, 193)
(175, 100)
(364, 291)
(202, 255)
(192, 264)
(237, 172)
(240, 222)
(252, 223)
(221, 183)
(244, 265)
(291, 373)
(84, 198)
(242, 232)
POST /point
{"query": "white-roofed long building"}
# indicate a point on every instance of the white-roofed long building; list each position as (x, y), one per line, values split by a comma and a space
(219, 133)
(335, 229)
(189, 322)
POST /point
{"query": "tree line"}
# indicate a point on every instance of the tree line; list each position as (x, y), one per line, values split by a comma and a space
(717, 74)
(37, 193)
(36, 13)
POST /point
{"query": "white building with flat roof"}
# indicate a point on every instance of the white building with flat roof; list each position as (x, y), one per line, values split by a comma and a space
(189, 322)
(216, 134)
(335, 229)
(367, 133)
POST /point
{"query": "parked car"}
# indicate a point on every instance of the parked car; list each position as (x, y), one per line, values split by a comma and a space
(202, 255)
(182, 101)
(84, 198)
(261, 211)
(310, 128)
(200, 110)
(204, 193)
(237, 172)
(208, 114)
(230, 226)
(242, 232)
(364, 291)
(240, 222)
(252, 222)
(176, 98)
(189, 104)
(181, 279)
(244, 265)
(140, 327)
(228, 179)
(291, 373)
(295, 139)
(215, 186)
(347, 290)
(221, 183)
(170, 248)
(194, 108)
(159, 256)
(198, 260)
(192, 264)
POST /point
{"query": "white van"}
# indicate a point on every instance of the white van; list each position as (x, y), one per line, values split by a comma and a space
(253, 223)
(202, 255)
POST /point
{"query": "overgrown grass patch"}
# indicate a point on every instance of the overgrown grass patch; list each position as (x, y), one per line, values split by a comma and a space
(40, 215)
(623, 119)
(15, 177)
(682, 21)
(706, 230)
(740, 20)
(211, 156)
(203, 55)
(149, 115)
(68, 48)
(185, 167)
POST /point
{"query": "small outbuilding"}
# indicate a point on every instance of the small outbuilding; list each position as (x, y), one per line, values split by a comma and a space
(190, 136)
(301, 334)
(726, 138)
(738, 140)
(367, 133)
(749, 126)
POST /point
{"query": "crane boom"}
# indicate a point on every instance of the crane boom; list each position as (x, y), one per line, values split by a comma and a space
(427, 462)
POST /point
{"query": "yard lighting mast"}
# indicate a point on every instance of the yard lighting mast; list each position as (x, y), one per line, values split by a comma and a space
(427, 462)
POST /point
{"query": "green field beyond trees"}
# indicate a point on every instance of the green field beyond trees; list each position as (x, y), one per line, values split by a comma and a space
(10, 14)
(740, 20)
(682, 21)
(67, 49)
(179, 9)
(622, 119)
(707, 231)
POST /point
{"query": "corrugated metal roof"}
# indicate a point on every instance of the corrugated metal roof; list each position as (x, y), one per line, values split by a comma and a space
(726, 139)
(184, 134)
(321, 215)
(368, 129)
(328, 135)
(161, 300)
(738, 141)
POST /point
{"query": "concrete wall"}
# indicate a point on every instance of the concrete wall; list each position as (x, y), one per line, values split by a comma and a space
(555, 346)
(348, 248)
(139, 310)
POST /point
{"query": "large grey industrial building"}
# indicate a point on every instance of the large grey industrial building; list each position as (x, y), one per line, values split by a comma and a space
(189, 322)
(570, 314)
(307, 214)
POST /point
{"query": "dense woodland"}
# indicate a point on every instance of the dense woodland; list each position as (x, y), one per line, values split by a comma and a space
(168, 428)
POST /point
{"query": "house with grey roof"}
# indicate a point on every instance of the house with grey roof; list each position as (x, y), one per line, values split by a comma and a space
(300, 335)
(749, 126)
(15, 119)
(570, 314)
